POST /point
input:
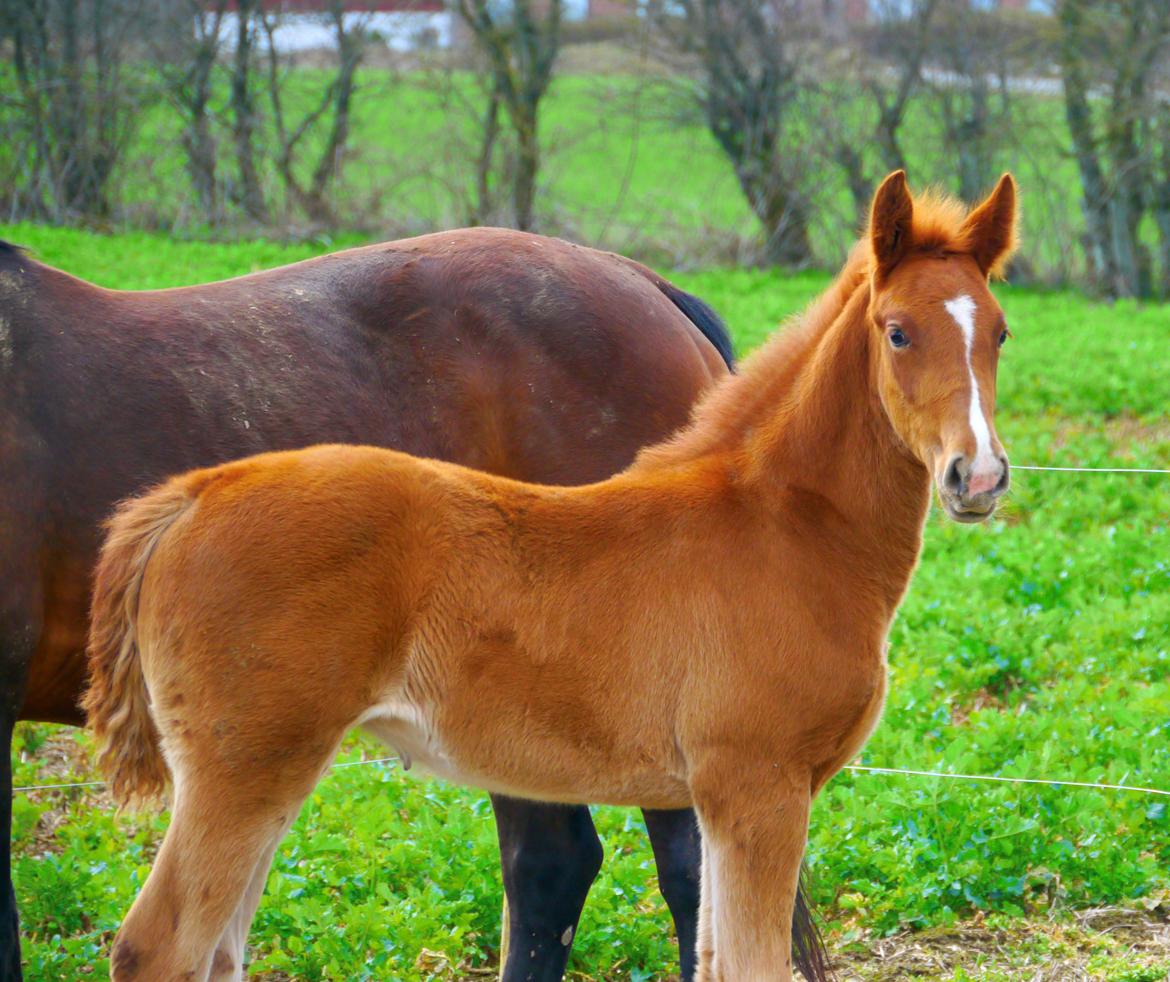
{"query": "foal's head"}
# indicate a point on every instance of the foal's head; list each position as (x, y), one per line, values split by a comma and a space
(938, 334)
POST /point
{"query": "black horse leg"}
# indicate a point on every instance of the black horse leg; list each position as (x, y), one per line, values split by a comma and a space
(550, 855)
(19, 631)
(9, 924)
(674, 836)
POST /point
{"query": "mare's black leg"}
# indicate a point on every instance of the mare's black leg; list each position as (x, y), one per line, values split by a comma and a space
(9, 924)
(550, 855)
(21, 555)
(16, 644)
(674, 836)
(19, 631)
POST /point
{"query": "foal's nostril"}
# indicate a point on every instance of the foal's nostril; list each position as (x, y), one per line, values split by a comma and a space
(953, 477)
(1004, 478)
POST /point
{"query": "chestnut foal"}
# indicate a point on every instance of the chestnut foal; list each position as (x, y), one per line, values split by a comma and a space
(708, 627)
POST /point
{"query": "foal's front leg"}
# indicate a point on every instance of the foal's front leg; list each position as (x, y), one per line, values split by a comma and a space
(754, 821)
(705, 934)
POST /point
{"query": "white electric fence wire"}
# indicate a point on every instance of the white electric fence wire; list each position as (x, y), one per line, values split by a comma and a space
(58, 787)
(1093, 470)
(102, 784)
(948, 775)
(851, 767)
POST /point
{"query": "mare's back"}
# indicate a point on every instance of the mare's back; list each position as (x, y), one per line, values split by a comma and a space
(515, 354)
(507, 352)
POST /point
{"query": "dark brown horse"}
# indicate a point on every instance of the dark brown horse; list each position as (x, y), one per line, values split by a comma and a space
(524, 356)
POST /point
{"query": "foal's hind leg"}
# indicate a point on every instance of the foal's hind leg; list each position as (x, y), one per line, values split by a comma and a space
(189, 919)
(754, 821)
(705, 933)
(230, 951)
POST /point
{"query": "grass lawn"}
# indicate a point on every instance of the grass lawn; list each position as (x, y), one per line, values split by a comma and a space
(1037, 645)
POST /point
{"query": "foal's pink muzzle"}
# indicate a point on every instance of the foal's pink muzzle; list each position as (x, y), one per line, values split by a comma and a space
(970, 489)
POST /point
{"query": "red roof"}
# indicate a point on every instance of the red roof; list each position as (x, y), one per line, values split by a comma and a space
(353, 6)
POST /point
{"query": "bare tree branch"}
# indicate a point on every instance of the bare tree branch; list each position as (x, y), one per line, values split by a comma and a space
(521, 49)
(753, 57)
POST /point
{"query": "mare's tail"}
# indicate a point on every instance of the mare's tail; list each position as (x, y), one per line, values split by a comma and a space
(117, 703)
(701, 314)
(808, 947)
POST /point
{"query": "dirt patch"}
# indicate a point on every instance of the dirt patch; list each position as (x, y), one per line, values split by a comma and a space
(1090, 946)
(983, 699)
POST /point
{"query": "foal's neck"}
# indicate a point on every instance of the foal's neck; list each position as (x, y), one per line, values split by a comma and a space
(802, 432)
(830, 440)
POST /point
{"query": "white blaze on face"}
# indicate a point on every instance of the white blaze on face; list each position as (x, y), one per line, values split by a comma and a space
(962, 309)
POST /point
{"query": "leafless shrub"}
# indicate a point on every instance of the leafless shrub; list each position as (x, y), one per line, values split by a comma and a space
(78, 95)
(245, 118)
(520, 43)
(880, 70)
(187, 52)
(755, 80)
(331, 111)
(1112, 60)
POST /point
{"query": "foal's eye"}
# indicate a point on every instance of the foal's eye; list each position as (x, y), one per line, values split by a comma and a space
(897, 338)
(1003, 336)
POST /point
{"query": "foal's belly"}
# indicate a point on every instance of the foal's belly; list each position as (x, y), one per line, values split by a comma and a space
(504, 757)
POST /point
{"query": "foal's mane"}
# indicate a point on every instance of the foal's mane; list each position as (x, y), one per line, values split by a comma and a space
(764, 378)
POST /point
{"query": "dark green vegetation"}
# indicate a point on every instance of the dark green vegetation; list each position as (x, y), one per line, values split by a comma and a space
(1036, 646)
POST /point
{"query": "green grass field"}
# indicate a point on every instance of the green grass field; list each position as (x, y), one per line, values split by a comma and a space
(1035, 646)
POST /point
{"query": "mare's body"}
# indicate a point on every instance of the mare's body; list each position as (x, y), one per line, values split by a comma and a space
(707, 627)
(525, 356)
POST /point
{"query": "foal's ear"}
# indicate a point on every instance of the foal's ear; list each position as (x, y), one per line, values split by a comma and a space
(890, 219)
(990, 229)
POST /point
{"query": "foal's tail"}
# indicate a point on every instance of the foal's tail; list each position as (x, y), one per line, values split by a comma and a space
(117, 703)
